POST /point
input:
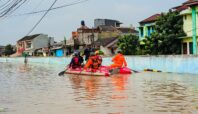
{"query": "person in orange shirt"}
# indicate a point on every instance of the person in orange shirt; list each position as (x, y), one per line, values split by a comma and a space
(119, 61)
(92, 62)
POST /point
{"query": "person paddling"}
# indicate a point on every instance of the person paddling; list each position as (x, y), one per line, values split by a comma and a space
(119, 61)
(75, 62)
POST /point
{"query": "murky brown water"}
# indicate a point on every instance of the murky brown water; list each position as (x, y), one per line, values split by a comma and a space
(37, 89)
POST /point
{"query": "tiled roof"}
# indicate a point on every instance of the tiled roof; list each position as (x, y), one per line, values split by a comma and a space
(191, 2)
(29, 37)
(180, 8)
(152, 18)
(104, 41)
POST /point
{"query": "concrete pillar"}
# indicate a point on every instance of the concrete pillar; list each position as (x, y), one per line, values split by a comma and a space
(145, 31)
(194, 28)
(188, 48)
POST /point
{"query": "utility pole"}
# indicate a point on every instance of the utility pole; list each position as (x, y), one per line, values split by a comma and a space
(64, 46)
(92, 38)
(49, 45)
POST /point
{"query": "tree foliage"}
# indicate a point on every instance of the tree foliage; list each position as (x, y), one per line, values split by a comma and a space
(165, 38)
(9, 50)
(128, 44)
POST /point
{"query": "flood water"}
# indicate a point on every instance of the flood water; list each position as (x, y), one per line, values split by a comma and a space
(37, 89)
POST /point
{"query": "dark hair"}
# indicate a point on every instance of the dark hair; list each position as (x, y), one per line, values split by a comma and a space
(120, 52)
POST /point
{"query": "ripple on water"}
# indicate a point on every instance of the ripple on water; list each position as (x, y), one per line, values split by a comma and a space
(36, 88)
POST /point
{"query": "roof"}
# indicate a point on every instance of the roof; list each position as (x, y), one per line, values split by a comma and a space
(107, 28)
(105, 41)
(83, 27)
(127, 30)
(180, 8)
(191, 3)
(88, 30)
(29, 37)
(152, 18)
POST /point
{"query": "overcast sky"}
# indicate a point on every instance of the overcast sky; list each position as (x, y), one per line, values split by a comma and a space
(61, 22)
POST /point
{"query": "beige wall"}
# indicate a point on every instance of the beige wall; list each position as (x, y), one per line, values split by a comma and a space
(187, 18)
(84, 38)
(109, 34)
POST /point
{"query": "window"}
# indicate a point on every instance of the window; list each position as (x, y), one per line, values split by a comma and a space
(191, 48)
(141, 32)
(28, 45)
(185, 17)
(149, 31)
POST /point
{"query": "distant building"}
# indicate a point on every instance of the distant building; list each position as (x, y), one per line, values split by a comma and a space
(30, 44)
(61, 49)
(2, 49)
(107, 45)
(106, 22)
(147, 26)
(86, 36)
(127, 31)
(102, 36)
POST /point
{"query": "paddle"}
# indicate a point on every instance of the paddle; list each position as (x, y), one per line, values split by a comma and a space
(63, 72)
(135, 71)
(80, 72)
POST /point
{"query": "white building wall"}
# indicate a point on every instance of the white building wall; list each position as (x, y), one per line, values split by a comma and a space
(41, 41)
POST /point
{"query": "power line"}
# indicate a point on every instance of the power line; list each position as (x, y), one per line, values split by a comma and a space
(66, 5)
(41, 18)
(10, 6)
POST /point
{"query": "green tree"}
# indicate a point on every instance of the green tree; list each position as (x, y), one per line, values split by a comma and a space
(165, 39)
(9, 50)
(128, 44)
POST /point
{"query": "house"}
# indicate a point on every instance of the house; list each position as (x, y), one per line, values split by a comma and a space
(103, 35)
(190, 27)
(108, 32)
(147, 26)
(106, 22)
(107, 45)
(127, 31)
(30, 44)
(61, 49)
(87, 36)
(2, 49)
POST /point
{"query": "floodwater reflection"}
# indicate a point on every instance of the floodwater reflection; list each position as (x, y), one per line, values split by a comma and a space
(37, 89)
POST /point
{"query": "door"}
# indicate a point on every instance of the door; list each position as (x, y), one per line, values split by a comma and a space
(184, 45)
(59, 53)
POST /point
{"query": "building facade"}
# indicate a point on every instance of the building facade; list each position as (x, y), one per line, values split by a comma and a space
(106, 22)
(30, 44)
(190, 27)
(147, 26)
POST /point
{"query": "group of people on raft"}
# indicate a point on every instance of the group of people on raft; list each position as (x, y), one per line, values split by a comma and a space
(94, 61)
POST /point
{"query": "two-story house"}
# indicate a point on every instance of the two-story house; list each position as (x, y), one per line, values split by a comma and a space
(190, 27)
(30, 44)
(147, 26)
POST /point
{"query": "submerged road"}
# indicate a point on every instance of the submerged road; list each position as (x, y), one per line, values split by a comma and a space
(37, 89)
